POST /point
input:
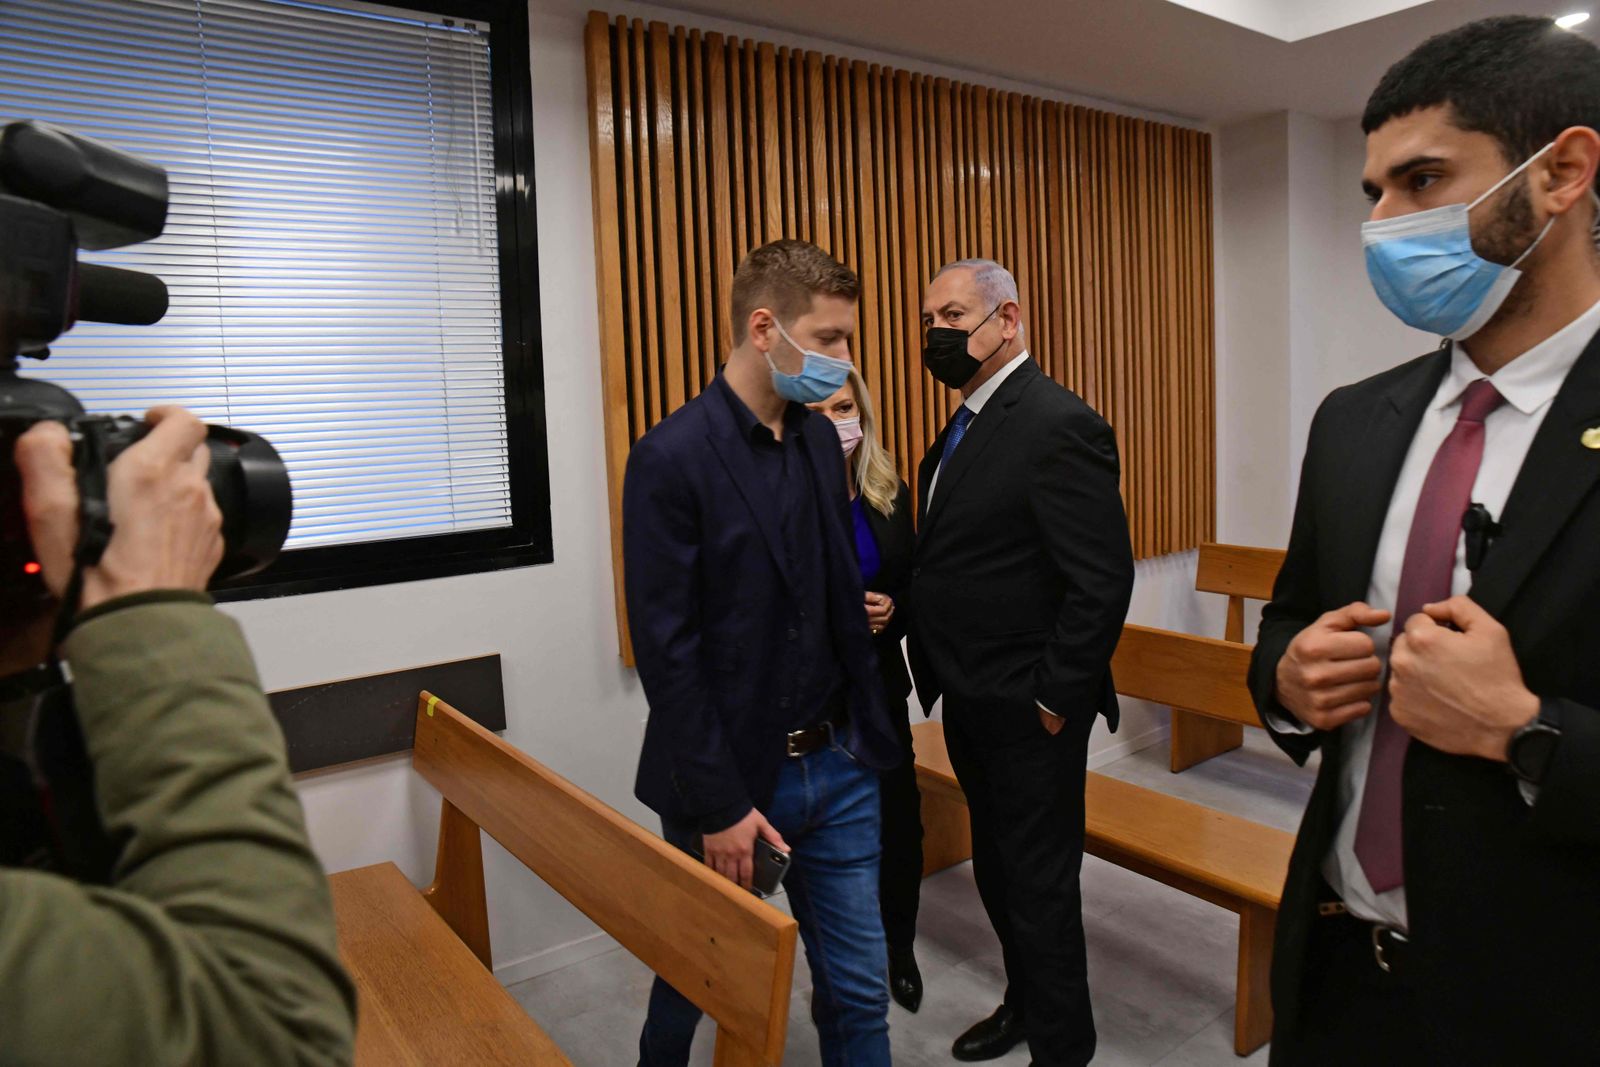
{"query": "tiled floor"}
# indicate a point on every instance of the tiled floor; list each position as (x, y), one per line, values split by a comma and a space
(1161, 963)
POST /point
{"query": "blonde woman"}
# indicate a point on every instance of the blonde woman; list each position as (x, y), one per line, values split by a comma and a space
(880, 504)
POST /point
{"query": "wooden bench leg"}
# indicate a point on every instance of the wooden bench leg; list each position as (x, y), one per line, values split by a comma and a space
(731, 1052)
(1252, 1014)
(946, 831)
(457, 891)
(1196, 738)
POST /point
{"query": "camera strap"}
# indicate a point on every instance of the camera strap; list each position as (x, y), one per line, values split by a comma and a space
(94, 514)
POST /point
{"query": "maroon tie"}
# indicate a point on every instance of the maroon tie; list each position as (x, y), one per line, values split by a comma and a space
(1424, 579)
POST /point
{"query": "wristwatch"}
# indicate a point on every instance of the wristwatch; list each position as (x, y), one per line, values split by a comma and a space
(1533, 746)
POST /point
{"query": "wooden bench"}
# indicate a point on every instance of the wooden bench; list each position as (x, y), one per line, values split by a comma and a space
(427, 994)
(1231, 862)
(1202, 674)
(1239, 573)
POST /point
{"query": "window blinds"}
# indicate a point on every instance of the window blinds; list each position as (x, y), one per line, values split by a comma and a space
(331, 246)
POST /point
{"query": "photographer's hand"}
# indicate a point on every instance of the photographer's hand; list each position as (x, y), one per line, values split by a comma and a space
(168, 527)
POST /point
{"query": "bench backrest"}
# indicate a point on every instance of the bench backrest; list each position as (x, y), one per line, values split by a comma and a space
(1239, 573)
(1199, 674)
(728, 952)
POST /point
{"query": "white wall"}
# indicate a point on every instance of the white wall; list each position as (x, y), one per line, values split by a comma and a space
(569, 701)
(1297, 317)
(1253, 330)
(1317, 254)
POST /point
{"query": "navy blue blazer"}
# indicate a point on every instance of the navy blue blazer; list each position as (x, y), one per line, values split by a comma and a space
(710, 608)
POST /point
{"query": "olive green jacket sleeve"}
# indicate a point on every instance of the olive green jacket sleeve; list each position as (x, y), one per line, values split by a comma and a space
(215, 943)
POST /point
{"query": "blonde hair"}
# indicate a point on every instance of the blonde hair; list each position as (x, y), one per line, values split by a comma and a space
(872, 466)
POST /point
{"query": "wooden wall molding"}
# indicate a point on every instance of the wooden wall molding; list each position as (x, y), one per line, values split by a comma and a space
(705, 146)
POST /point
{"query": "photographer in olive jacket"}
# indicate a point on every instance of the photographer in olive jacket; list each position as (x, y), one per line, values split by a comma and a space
(214, 942)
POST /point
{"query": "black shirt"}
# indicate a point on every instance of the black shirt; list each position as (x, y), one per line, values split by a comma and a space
(812, 677)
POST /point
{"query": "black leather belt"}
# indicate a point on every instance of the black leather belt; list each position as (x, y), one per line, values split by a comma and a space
(806, 741)
(1391, 949)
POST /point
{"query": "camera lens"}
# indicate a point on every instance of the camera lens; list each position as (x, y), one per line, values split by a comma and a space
(251, 485)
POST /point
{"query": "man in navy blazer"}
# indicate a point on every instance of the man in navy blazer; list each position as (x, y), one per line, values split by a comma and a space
(746, 609)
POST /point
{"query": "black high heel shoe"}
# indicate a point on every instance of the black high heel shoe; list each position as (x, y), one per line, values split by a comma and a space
(905, 980)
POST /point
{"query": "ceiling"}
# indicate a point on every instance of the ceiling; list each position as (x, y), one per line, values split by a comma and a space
(1292, 20)
(1153, 54)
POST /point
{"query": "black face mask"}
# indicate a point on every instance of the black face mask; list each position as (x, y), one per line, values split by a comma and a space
(945, 353)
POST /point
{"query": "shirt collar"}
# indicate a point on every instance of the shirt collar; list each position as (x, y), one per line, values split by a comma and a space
(751, 427)
(1533, 379)
(980, 396)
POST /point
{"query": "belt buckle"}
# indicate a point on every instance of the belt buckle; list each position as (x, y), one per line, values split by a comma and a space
(1378, 930)
(795, 736)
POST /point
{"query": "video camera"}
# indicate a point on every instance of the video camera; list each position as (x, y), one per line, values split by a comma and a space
(58, 193)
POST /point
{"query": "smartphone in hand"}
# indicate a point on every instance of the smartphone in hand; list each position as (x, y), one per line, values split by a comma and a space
(771, 864)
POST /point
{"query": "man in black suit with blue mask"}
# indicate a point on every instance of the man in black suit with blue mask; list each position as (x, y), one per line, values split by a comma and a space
(1433, 630)
(745, 606)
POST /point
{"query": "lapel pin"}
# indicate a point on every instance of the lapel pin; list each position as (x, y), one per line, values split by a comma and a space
(1591, 437)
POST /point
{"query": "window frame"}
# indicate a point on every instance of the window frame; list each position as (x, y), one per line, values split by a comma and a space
(528, 540)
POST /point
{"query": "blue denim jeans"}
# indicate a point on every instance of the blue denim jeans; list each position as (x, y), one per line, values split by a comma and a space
(826, 808)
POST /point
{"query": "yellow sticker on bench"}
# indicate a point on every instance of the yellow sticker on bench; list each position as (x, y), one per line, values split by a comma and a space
(432, 703)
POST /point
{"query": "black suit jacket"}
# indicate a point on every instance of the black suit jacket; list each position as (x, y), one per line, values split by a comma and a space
(1023, 567)
(897, 542)
(1503, 899)
(711, 609)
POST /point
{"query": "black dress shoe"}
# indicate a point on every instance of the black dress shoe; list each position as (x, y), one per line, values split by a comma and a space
(992, 1038)
(905, 980)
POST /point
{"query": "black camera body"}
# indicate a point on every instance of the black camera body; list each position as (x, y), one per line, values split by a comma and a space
(247, 478)
(60, 192)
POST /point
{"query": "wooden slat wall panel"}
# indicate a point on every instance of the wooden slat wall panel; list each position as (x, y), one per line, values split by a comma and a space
(705, 147)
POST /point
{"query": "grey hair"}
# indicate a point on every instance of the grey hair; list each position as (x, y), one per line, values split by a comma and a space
(995, 283)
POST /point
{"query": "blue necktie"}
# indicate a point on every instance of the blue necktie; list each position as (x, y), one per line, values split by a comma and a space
(958, 429)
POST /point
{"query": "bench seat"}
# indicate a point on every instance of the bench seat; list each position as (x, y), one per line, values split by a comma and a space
(424, 997)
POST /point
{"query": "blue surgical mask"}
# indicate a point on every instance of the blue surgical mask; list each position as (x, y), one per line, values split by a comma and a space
(1425, 270)
(819, 378)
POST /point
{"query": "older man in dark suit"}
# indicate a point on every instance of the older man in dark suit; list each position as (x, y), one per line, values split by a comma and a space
(1019, 587)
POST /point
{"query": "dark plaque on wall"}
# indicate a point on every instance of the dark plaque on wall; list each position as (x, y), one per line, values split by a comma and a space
(358, 718)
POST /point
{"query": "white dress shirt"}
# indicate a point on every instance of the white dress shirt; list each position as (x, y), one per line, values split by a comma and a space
(980, 396)
(1529, 384)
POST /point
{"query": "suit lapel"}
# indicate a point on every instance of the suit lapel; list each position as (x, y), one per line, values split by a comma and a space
(851, 639)
(1376, 454)
(925, 472)
(984, 428)
(727, 441)
(817, 439)
(825, 481)
(878, 524)
(1555, 477)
